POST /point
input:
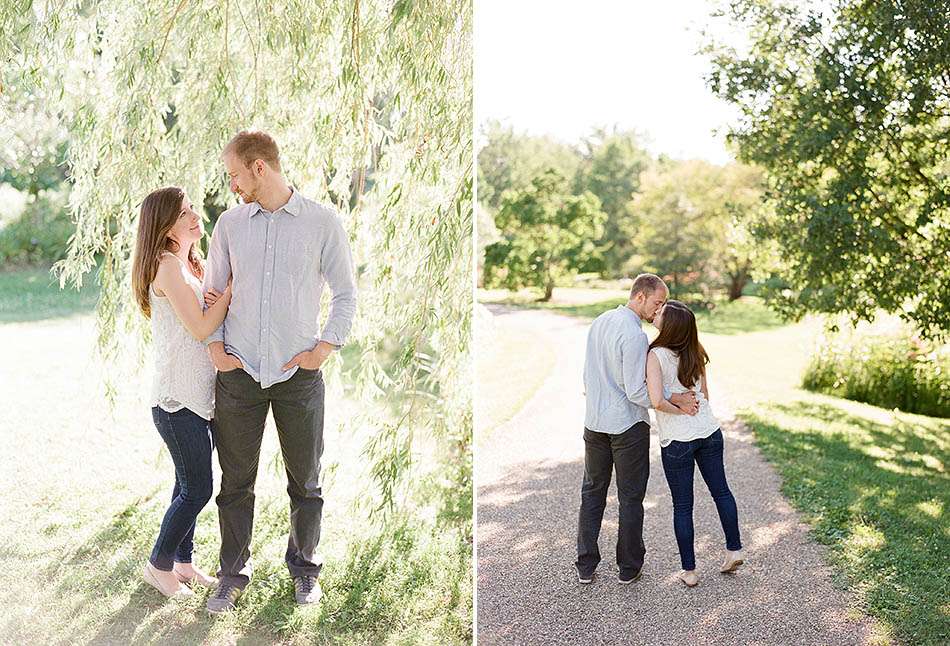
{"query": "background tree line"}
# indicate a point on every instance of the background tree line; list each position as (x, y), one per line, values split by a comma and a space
(549, 210)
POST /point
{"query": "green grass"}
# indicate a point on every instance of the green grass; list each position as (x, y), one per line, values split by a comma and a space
(32, 294)
(509, 368)
(871, 482)
(748, 314)
(84, 490)
(873, 486)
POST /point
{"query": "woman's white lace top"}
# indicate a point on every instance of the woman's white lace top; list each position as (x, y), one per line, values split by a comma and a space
(682, 428)
(184, 374)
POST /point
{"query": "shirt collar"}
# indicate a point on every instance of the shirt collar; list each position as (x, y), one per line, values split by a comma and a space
(631, 313)
(292, 206)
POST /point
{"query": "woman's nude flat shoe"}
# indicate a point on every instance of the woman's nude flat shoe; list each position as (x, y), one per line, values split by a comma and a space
(689, 578)
(179, 592)
(200, 578)
(733, 561)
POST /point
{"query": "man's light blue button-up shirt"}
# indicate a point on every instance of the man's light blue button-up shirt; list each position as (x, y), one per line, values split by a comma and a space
(615, 371)
(280, 262)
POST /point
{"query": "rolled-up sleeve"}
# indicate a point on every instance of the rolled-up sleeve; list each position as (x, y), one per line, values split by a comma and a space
(633, 356)
(336, 265)
(217, 270)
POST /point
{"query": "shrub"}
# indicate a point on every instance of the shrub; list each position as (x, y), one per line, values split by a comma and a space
(39, 232)
(891, 368)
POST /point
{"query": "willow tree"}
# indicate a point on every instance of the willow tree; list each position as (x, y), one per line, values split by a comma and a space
(371, 104)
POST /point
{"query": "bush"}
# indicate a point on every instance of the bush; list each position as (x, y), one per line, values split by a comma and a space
(36, 230)
(890, 368)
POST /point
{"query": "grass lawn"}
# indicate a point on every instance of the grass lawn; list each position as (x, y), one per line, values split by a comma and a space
(84, 489)
(871, 482)
(32, 294)
(509, 368)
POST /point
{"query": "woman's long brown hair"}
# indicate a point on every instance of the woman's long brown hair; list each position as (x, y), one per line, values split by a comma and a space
(679, 334)
(160, 211)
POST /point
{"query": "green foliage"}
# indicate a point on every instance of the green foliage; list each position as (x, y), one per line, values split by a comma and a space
(892, 369)
(846, 106)
(486, 233)
(510, 161)
(39, 233)
(693, 228)
(371, 104)
(613, 162)
(33, 141)
(547, 234)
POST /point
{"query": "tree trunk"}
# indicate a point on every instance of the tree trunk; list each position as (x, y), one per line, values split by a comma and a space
(548, 291)
(737, 283)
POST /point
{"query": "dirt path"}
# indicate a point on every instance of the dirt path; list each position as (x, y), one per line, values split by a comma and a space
(529, 474)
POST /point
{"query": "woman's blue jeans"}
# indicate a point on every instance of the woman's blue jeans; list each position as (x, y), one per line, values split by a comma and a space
(188, 438)
(678, 459)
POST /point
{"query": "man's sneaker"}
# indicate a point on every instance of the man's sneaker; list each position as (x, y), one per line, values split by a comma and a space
(624, 580)
(585, 578)
(224, 598)
(307, 589)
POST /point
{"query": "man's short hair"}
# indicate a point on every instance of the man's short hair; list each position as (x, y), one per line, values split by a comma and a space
(647, 284)
(250, 145)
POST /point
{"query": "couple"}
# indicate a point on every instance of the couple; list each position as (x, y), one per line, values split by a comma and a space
(256, 306)
(624, 375)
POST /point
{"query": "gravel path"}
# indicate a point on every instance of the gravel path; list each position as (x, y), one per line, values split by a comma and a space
(529, 475)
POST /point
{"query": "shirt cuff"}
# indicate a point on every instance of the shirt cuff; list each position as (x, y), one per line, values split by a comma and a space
(332, 338)
(217, 335)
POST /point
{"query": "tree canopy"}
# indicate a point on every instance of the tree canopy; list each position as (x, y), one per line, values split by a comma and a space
(510, 160)
(694, 218)
(613, 161)
(847, 107)
(546, 233)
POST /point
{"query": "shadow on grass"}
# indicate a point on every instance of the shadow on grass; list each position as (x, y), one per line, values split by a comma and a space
(747, 314)
(105, 573)
(407, 583)
(32, 294)
(876, 494)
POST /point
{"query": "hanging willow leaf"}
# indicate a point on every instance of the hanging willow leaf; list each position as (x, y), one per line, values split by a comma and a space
(371, 104)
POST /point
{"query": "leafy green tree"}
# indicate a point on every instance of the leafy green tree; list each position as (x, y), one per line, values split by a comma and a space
(612, 164)
(151, 91)
(486, 233)
(676, 233)
(847, 107)
(33, 148)
(546, 235)
(738, 256)
(694, 227)
(509, 161)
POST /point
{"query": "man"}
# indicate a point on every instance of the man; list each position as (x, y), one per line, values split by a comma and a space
(280, 248)
(617, 427)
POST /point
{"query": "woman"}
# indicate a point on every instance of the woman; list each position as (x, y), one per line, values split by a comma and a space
(166, 280)
(677, 361)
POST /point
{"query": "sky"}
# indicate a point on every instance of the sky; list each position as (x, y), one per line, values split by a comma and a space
(562, 68)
